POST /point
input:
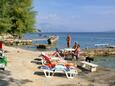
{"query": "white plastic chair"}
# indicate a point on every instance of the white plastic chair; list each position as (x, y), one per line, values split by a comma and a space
(47, 71)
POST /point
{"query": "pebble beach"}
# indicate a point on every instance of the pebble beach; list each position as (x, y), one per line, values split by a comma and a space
(22, 71)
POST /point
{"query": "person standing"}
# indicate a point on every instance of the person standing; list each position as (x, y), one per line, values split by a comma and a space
(68, 41)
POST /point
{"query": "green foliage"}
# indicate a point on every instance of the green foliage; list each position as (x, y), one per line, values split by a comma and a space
(5, 22)
(16, 17)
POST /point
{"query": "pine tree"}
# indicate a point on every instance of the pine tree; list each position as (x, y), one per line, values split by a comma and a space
(16, 17)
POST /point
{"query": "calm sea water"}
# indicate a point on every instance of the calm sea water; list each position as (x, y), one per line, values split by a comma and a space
(86, 40)
(108, 62)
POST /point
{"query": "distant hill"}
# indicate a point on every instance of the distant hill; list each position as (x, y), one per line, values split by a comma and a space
(111, 31)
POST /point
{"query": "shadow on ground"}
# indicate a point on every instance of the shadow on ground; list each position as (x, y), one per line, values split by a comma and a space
(6, 80)
(36, 61)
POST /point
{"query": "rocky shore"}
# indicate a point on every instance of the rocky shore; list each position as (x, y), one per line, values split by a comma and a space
(98, 52)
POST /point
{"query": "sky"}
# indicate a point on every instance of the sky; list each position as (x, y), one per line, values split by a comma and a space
(74, 15)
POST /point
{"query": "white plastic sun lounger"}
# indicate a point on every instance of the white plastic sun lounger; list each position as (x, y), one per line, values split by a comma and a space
(71, 73)
(47, 71)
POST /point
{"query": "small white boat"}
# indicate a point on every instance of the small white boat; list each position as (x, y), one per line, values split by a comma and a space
(52, 39)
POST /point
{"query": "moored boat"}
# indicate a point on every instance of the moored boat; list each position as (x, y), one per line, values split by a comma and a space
(52, 39)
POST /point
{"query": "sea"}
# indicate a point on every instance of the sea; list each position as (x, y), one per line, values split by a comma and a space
(84, 39)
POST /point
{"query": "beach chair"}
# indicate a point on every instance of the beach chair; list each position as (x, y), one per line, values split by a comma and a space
(3, 60)
(70, 73)
(48, 72)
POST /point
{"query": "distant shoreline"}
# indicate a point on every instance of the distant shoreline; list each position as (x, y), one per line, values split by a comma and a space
(78, 32)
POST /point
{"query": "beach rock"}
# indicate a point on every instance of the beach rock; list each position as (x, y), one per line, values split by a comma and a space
(98, 52)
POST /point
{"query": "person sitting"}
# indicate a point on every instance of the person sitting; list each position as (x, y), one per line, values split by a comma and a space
(75, 45)
(51, 64)
(76, 53)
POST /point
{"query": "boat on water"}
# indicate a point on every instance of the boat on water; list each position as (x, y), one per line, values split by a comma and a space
(52, 39)
(51, 42)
